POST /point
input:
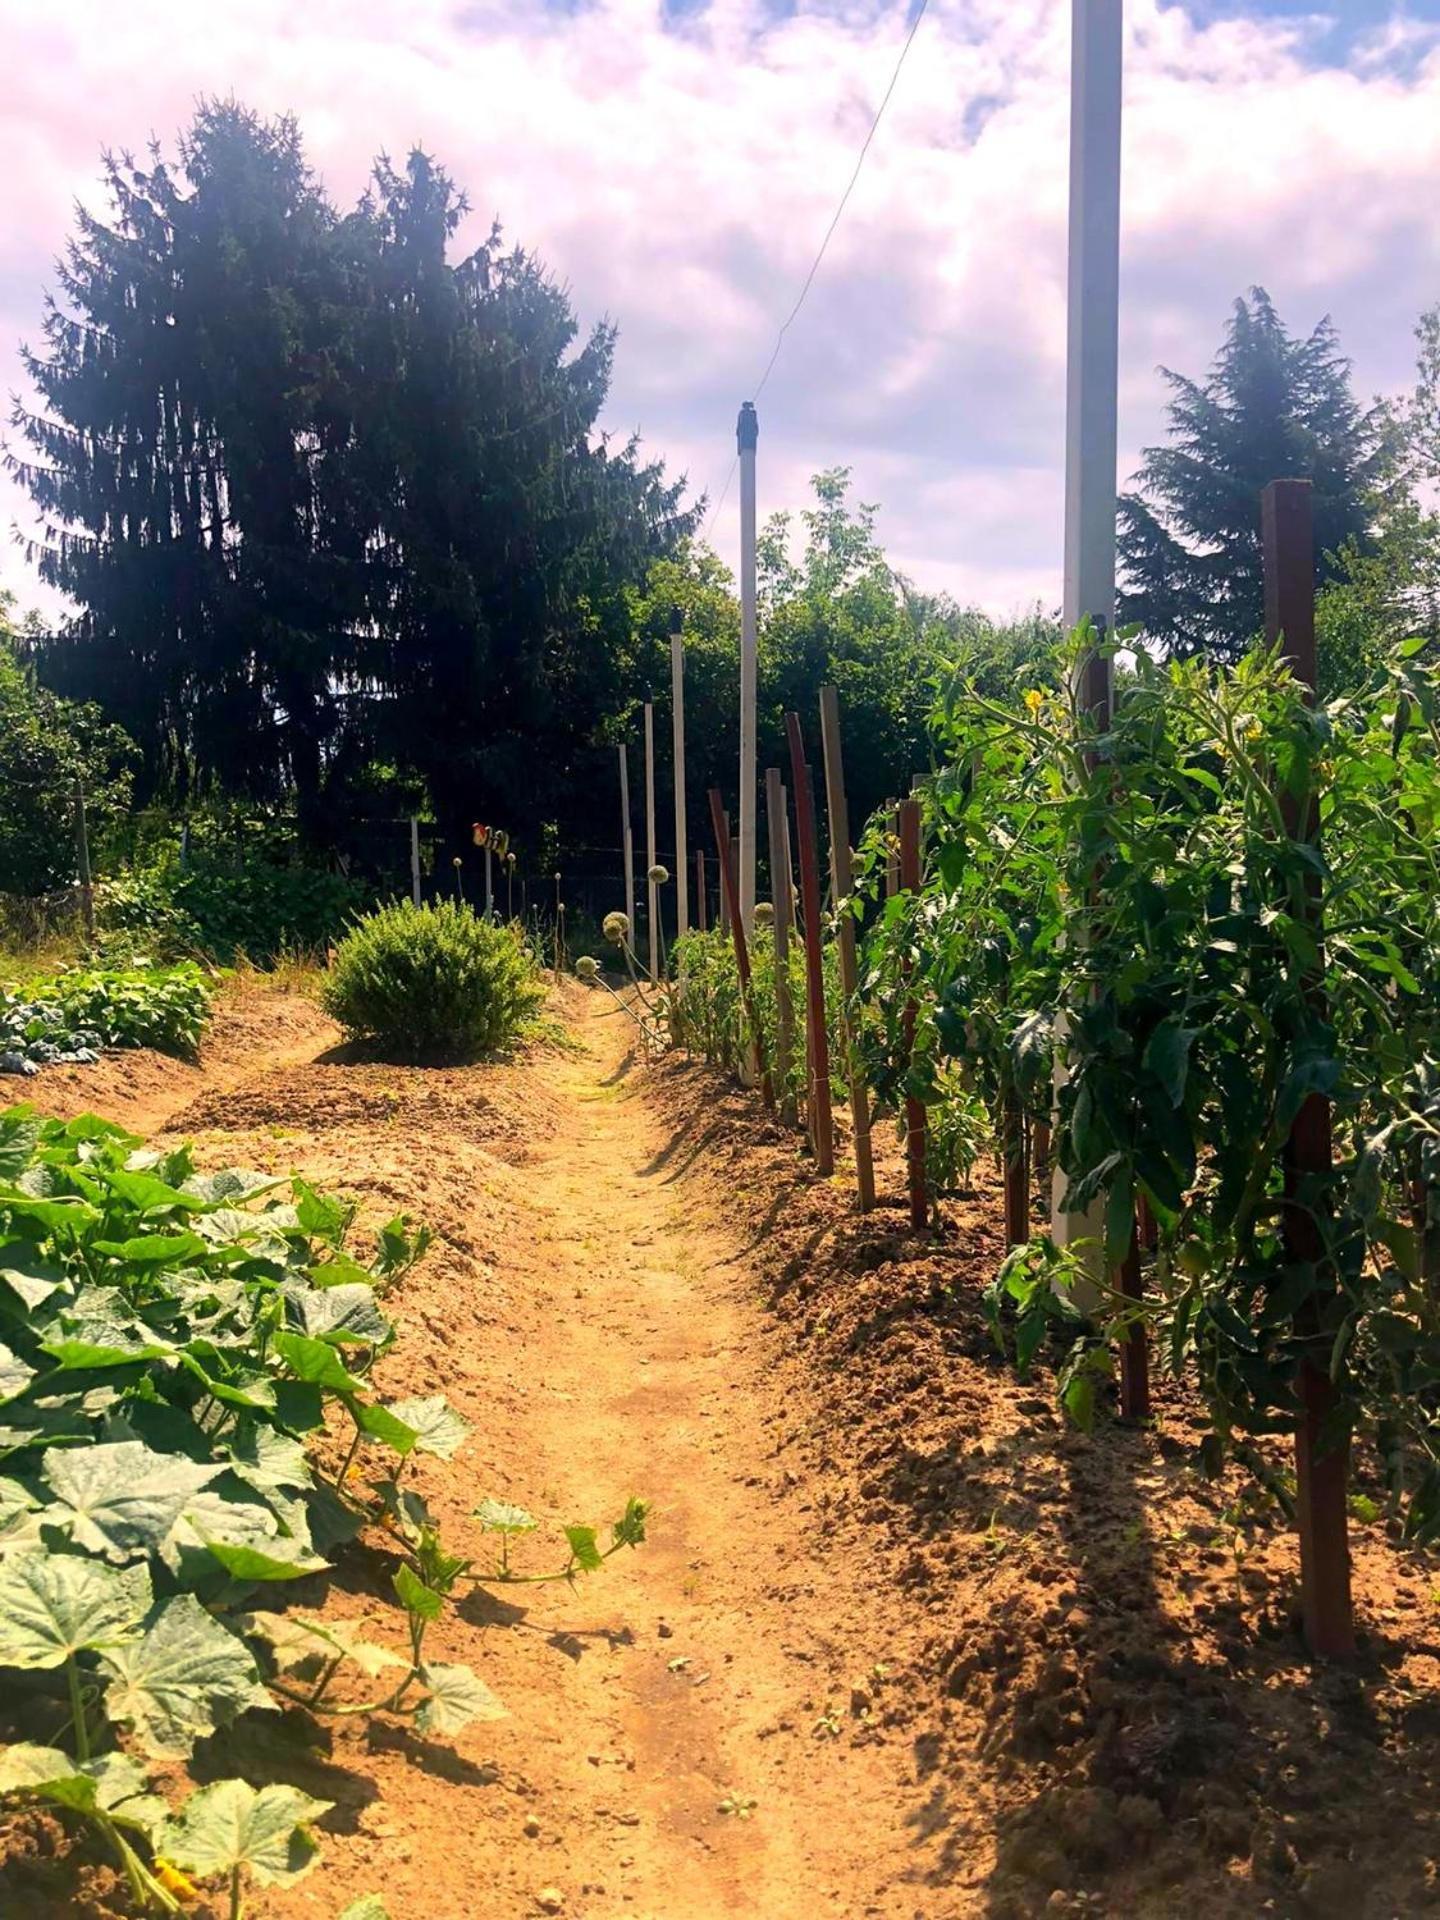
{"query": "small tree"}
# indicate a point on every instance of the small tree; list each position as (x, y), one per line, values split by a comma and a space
(48, 747)
(1273, 407)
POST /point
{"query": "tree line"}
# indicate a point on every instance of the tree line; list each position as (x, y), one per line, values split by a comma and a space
(339, 530)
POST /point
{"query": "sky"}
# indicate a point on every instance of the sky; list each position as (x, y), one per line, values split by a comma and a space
(675, 163)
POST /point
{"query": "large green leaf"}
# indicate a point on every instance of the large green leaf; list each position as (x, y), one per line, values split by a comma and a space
(232, 1825)
(498, 1516)
(437, 1427)
(114, 1785)
(380, 1423)
(15, 1375)
(154, 1249)
(457, 1697)
(315, 1362)
(296, 1640)
(346, 1312)
(53, 1605)
(187, 1676)
(123, 1499)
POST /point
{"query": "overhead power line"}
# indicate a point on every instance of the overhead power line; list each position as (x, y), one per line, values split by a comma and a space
(844, 199)
(816, 263)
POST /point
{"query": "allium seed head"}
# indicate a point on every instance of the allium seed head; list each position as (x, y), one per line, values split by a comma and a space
(658, 875)
(616, 928)
(587, 967)
(764, 914)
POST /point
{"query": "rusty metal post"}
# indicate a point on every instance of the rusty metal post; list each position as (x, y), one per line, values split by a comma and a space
(915, 1125)
(842, 881)
(1321, 1456)
(730, 895)
(821, 1125)
(781, 895)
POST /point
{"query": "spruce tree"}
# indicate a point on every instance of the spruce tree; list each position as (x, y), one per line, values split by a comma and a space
(1272, 408)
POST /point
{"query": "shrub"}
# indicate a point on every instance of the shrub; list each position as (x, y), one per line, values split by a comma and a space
(432, 979)
(226, 906)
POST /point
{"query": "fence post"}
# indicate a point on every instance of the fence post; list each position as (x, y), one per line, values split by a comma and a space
(82, 851)
(627, 842)
(747, 434)
(730, 895)
(700, 902)
(677, 720)
(782, 895)
(1321, 1456)
(842, 882)
(915, 1125)
(821, 1125)
(652, 892)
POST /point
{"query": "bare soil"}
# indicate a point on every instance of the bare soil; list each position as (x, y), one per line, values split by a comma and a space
(899, 1644)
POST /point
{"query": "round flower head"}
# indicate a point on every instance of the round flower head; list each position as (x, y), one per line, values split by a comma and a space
(616, 928)
(658, 875)
(456, 862)
(587, 967)
(764, 914)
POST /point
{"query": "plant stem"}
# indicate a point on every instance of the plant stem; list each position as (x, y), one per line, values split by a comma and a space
(344, 1473)
(235, 1893)
(77, 1710)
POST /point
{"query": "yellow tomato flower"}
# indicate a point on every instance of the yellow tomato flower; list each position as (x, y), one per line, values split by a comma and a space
(1034, 699)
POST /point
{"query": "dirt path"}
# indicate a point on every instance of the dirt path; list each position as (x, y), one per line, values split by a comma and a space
(603, 1339)
(658, 1373)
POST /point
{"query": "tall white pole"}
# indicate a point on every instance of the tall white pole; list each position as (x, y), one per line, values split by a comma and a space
(747, 433)
(415, 859)
(677, 715)
(1092, 362)
(1094, 311)
(627, 842)
(653, 893)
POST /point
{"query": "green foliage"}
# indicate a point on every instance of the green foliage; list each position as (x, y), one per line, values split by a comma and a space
(1148, 889)
(431, 980)
(169, 1344)
(1189, 534)
(709, 1017)
(254, 906)
(436, 539)
(72, 1016)
(839, 614)
(48, 747)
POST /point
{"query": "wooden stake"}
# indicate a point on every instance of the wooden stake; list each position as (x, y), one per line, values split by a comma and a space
(677, 718)
(415, 859)
(82, 852)
(1321, 1455)
(730, 895)
(724, 896)
(489, 886)
(821, 1125)
(652, 893)
(915, 1123)
(782, 894)
(842, 883)
(700, 901)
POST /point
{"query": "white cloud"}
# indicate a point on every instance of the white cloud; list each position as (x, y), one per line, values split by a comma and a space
(678, 174)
